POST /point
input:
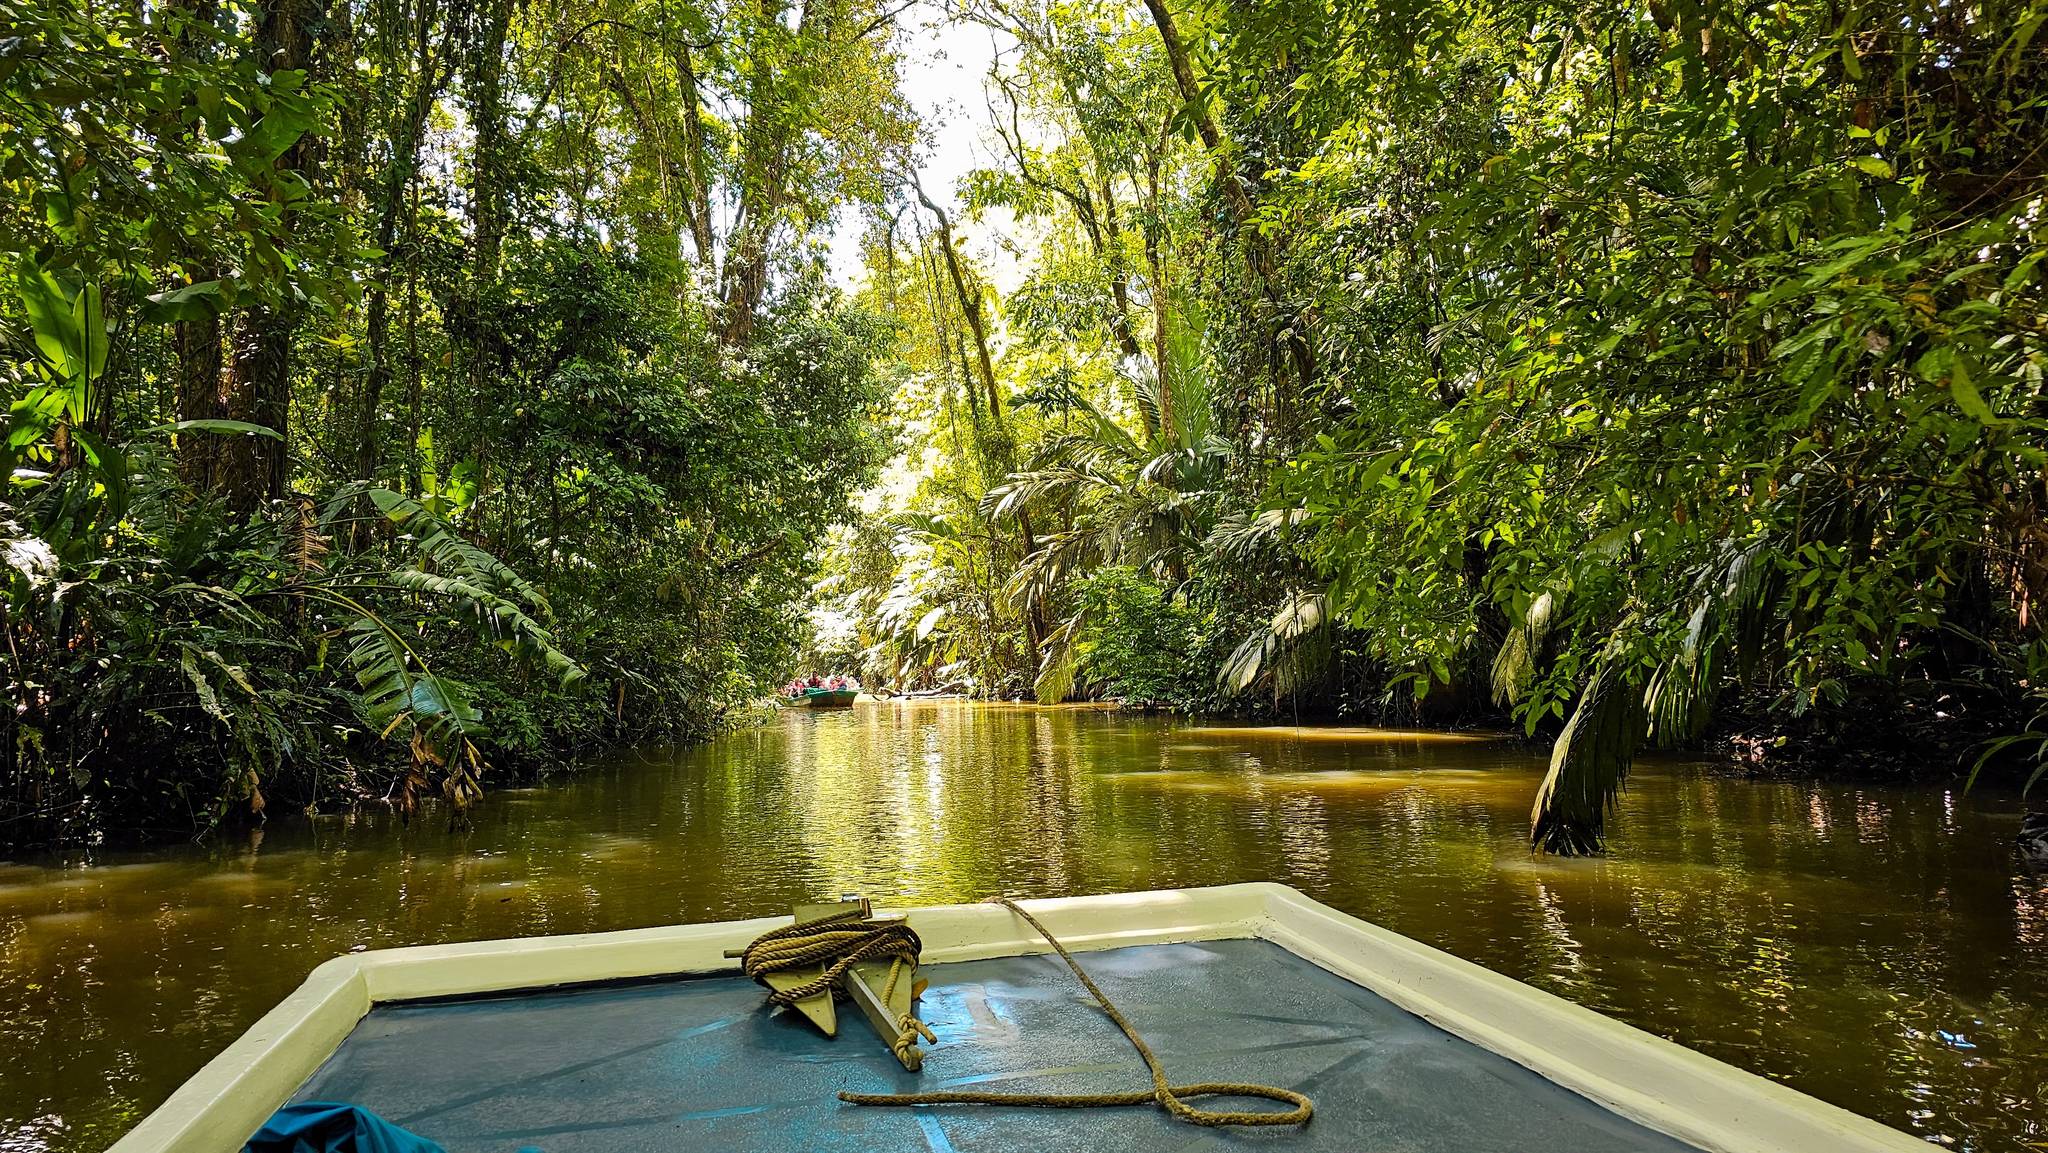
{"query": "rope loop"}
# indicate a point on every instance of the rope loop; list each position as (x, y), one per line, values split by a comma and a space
(908, 1030)
(838, 942)
(1172, 1098)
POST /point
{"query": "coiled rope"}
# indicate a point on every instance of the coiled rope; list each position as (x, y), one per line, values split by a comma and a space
(1171, 1098)
(838, 942)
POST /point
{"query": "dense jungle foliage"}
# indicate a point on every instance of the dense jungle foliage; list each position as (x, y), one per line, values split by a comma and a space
(403, 388)
(400, 387)
(1615, 368)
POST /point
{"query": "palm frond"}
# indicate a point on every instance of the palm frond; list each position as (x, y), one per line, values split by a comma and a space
(1515, 665)
(1047, 568)
(1061, 662)
(1282, 650)
(447, 551)
(1678, 698)
(504, 605)
(1588, 765)
(1025, 488)
(1242, 537)
(1730, 615)
(1241, 669)
(305, 542)
(400, 693)
(499, 618)
(1190, 373)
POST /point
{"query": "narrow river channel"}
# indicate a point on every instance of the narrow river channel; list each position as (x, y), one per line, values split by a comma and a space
(1875, 947)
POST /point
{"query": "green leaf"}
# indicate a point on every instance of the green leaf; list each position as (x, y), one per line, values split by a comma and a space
(1377, 470)
(70, 330)
(222, 427)
(110, 468)
(209, 701)
(1964, 390)
(191, 302)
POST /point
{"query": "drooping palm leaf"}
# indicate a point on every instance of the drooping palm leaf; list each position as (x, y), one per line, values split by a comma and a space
(1242, 537)
(445, 550)
(1730, 617)
(1281, 649)
(503, 604)
(497, 617)
(1515, 666)
(1061, 663)
(1588, 765)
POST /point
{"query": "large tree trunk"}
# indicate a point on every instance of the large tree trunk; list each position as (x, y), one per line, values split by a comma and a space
(765, 145)
(1205, 124)
(696, 165)
(487, 112)
(1155, 262)
(490, 200)
(746, 261)
(1104, 232)
(970, 306)
(1035, 624)
(199, 398)
(254, 468)
(197, 341)
(1288, 326)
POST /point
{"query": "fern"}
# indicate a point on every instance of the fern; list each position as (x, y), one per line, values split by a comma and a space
(508, 608)
(444, 550)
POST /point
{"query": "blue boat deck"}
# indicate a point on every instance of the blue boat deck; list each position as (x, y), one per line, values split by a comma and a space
(699, 1064)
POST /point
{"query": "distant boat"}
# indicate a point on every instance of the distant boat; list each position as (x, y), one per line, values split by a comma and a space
(649, 1038)
(823, 699)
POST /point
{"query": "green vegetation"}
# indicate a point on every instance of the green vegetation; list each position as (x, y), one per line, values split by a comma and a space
(399, 389)
(394, 394)
(1613, 368)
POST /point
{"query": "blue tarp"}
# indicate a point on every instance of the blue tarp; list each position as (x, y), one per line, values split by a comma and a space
(326, 1127)
(697, 1065)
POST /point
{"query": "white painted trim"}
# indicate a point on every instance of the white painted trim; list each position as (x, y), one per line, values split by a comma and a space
(237, 1091)
(1641, 1076)
(1664, 1086)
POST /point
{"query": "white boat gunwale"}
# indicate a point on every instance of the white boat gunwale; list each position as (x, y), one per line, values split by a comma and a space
(1661, 1085)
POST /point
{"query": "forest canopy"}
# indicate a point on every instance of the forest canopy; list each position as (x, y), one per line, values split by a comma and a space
(406, 388)
(454, 381)
(1648, 374)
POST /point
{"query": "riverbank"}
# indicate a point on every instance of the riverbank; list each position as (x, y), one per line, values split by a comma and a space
(1848, 745)
(1869, 944)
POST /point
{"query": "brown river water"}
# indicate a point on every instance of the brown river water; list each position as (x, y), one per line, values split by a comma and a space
(1875, 947)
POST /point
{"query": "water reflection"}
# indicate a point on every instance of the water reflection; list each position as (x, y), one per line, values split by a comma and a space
(1872, 946)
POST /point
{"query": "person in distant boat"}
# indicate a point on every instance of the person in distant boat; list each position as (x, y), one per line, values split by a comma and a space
(816, 681)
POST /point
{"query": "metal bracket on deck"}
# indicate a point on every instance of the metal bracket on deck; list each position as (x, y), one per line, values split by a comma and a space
(865, 984)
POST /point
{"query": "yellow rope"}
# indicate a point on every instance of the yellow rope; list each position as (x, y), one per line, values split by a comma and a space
(1172, 1098)
(908, 1028)
(838, 942)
